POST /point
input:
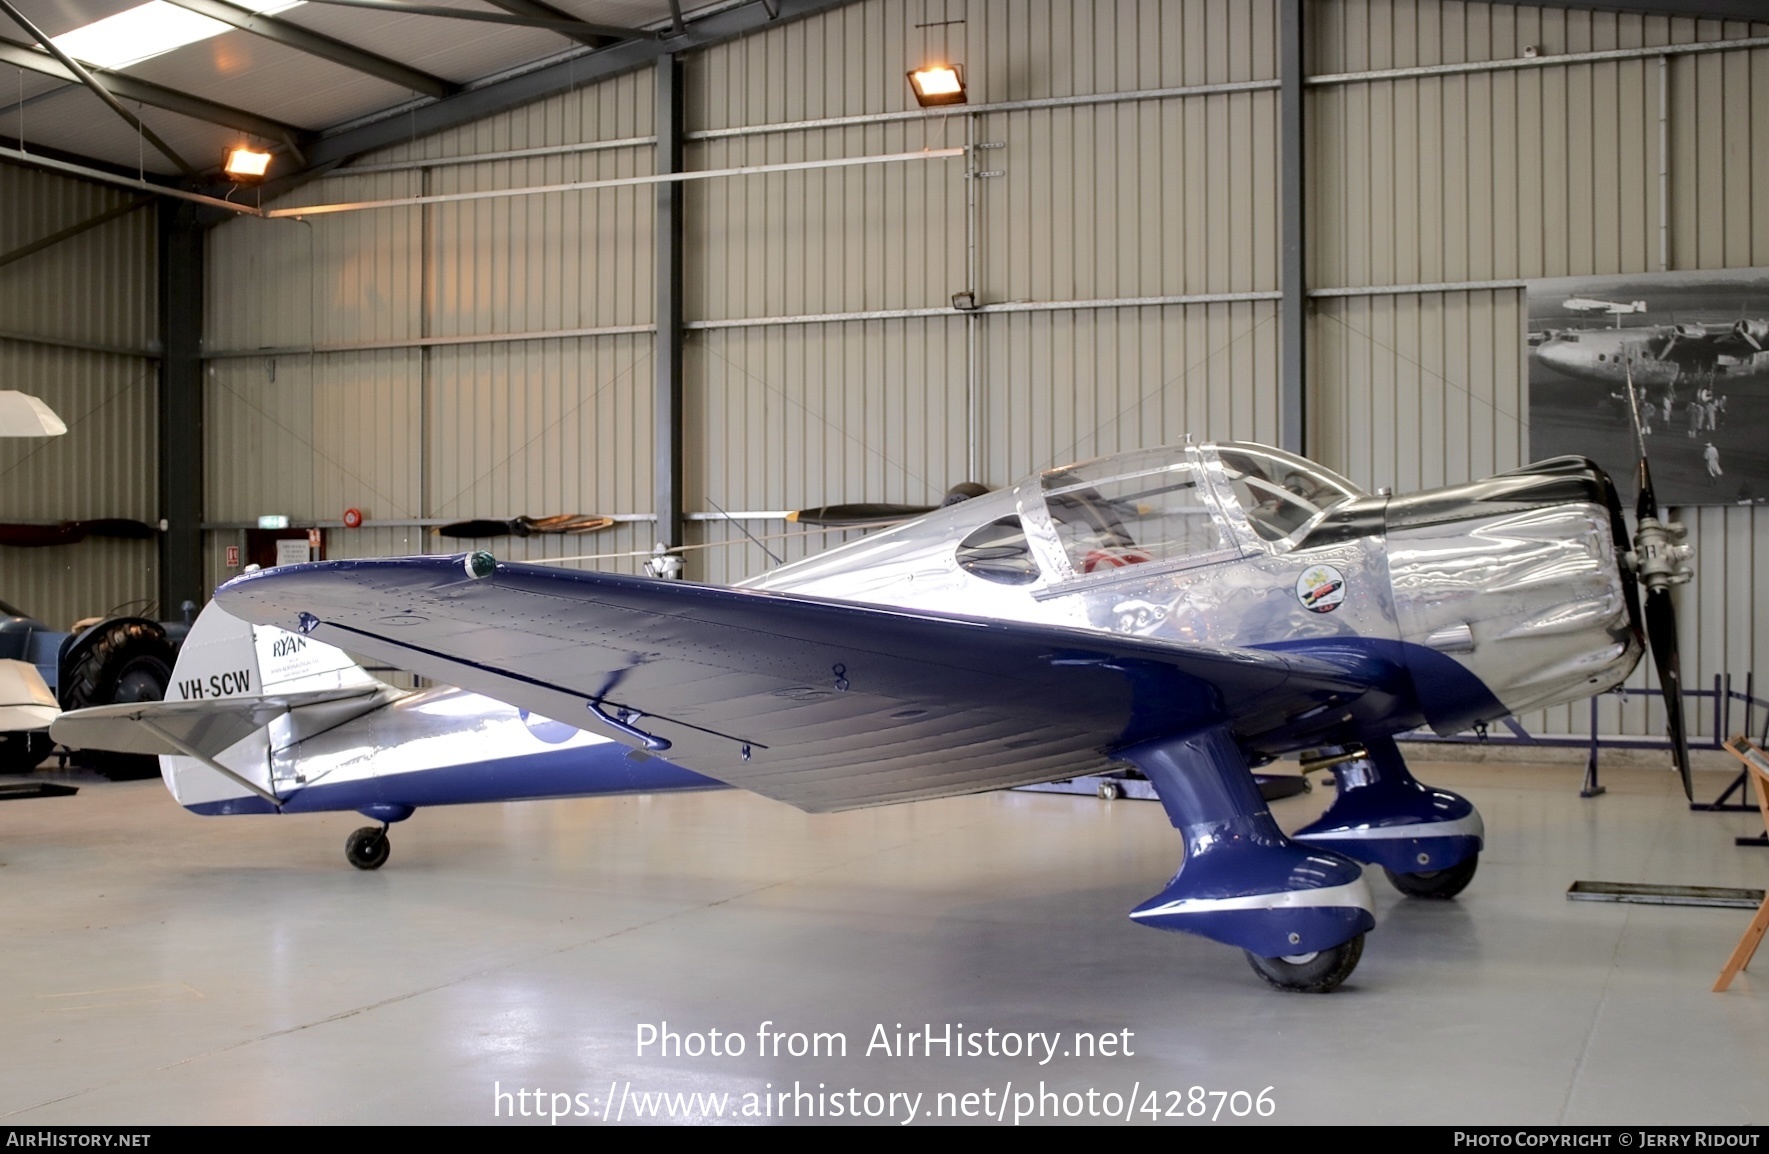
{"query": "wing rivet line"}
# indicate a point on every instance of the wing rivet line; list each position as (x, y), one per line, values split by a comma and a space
(841, 678)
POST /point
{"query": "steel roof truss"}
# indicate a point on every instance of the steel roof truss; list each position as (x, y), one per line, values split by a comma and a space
(316, 44)
(84, 77)
(536, 8)
(559, 22)
(146, 92)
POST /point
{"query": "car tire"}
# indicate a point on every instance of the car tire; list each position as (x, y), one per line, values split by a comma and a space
(127, 661)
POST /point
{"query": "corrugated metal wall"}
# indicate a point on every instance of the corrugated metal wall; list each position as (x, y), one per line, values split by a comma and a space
(408, 369)
(1491, 175)
(96, 289)
(1117, 200)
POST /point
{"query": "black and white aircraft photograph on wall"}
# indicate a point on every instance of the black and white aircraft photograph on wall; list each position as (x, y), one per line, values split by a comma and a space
(1696, 347)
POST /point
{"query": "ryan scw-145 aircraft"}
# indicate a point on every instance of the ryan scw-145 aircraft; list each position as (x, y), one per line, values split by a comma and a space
(1194, 612)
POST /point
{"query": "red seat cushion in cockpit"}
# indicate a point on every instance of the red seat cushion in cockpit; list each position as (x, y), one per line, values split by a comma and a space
(1112, 559)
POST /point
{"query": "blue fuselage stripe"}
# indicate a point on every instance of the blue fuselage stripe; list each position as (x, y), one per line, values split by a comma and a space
(596, 770)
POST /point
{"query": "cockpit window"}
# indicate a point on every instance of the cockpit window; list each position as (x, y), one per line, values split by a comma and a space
(1109, 517)
(998, 552)
(1279, 493)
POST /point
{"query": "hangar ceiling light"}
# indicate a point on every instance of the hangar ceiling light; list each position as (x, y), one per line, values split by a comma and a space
(938, 84)
(246, 165)
(149, 30)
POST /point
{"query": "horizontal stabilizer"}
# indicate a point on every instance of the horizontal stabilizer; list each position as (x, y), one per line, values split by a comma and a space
(207, 727)
(233, 678)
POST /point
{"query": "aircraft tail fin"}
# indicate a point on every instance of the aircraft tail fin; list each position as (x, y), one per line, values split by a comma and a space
(233, 684)
(226, 659)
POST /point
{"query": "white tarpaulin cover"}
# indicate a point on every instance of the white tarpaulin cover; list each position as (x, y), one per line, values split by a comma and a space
(22, 415)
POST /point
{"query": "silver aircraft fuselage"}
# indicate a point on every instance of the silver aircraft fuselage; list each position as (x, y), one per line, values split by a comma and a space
(1657, 357)
(1499, 596)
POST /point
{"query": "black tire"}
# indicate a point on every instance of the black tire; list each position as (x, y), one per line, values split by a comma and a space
(1316, 973)
(963, 491)
(122, 661)
(367, 848)
(1277, 786)
(1436, 885)
(23, 751)
(119, 662)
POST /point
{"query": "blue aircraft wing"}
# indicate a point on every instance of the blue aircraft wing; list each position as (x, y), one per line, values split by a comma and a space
(822, 704)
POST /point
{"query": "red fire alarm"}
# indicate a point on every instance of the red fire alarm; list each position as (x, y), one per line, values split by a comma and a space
(353, 518)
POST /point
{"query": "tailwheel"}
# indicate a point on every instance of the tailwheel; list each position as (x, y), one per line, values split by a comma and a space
(1317, 972)
(1439, 885)
(367, 848)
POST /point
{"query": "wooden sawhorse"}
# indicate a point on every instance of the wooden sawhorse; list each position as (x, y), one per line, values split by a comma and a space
(1756, 763)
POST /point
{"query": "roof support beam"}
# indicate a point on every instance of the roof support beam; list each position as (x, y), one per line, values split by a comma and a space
(560, 22)
(324, 47)
(129, 88)
(99, 90)
(74, 230)
(1751, 10)
(181, 406)
(35, 155)
(1293, 272)
(536, 8)
(56, 161)
(527, 87)
(666, 358)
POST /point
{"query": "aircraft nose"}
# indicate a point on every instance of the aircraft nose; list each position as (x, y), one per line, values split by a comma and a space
(1553, 353)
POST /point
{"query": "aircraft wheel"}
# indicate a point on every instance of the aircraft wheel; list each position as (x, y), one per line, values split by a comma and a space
(1109, 791)
(1439, 885)
(1314, 973)
(368, 847)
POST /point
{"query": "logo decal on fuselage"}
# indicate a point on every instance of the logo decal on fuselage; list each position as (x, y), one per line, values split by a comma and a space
(1321, 588)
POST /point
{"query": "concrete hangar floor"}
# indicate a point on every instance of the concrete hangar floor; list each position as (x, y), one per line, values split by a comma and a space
(164, 968)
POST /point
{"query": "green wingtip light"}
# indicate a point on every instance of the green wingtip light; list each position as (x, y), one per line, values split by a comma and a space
(481, 565)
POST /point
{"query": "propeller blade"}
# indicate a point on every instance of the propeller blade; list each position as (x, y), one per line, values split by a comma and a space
(568, 523)
(526, 526)
(878, 513)
(1661, 633)
(71, 532)
(863, 513)
(35, 536)
(1658, 560)
(1646, 505)
(486, 527)
(125, 528)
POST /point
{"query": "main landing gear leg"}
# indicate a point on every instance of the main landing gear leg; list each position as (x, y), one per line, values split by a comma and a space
(1427, 840)
(368, 847)
(1299, 913)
